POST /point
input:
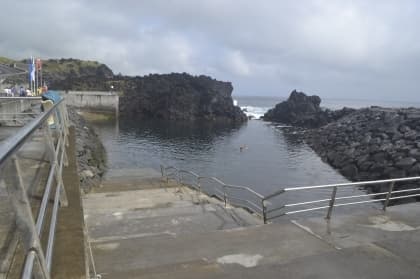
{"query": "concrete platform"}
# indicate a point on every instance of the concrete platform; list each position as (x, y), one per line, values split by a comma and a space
(147, 231)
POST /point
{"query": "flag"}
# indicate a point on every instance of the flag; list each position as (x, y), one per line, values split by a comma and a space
(32, 68)
(38, 63)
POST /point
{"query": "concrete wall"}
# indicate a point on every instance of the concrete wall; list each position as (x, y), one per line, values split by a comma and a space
(93, 100)
(9, 108)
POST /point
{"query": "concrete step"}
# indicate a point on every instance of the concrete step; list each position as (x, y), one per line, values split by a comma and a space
(270, 251)
(135, 199)
(353, 263)
(205, 251)
(172, 221)
(146, 231)
(131, 183)
(130, 214)
(117, 180)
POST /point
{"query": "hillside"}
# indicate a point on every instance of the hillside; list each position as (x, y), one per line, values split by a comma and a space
(56, 71)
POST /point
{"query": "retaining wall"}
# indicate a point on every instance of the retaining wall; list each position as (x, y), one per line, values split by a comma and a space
(93, 100)
(9, 109)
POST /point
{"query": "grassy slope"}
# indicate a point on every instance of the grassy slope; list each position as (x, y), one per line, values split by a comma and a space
(56, 70)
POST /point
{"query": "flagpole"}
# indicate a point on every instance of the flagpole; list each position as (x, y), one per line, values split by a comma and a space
(32, 74)
(32, 70)
(29, 72)
(36, 79)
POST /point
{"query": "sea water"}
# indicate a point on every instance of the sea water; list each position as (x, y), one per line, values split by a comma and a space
(272, 157)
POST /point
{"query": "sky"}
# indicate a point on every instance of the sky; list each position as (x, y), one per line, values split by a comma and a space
(335, 49)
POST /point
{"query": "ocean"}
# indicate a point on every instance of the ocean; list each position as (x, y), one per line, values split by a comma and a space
(275, 156)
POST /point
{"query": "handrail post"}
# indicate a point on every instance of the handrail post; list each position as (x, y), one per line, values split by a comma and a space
(332, 201)
(264, 211)
(166, 176)
(388, 196)
(199, 185)
(25, 222)
(224, 194)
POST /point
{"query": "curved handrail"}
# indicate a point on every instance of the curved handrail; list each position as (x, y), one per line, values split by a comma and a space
(250, 205)
(212, 178)
(245, 188)
(189, 172)
(267, 207)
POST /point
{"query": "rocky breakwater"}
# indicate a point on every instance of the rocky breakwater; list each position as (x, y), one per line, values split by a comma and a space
(90, 152)
(372, 143)
(303, 111)
(180, 97)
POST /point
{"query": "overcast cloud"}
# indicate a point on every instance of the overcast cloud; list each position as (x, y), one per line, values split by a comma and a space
(336, 49)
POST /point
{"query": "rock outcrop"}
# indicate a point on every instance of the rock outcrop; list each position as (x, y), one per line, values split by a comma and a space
(372, 143)
(167, 96)
(303, 111)
(180, 97)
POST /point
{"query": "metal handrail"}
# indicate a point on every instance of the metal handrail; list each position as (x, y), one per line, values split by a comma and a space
(266, 211)
(335, 187)
(222, 194)
(56, 145)
(12, 144)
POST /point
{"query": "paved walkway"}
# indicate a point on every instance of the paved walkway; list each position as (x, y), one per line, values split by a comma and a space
(32, 161)
(69, 250)
(151, 231)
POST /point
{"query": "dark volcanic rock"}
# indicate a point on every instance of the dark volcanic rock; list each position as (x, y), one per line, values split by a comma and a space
(405, 163)
(304, 111)
(180, 97)
(371, 143)
(90, 153)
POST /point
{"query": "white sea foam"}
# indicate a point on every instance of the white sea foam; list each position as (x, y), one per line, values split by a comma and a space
(255, 112)
(283, 126)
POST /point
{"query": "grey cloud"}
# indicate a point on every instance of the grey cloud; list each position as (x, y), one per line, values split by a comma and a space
(342, 49)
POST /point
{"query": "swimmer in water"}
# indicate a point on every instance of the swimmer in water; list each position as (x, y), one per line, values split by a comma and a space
(243, 147)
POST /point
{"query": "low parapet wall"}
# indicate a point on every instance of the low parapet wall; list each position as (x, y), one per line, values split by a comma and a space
(94, 100)
(10, 109)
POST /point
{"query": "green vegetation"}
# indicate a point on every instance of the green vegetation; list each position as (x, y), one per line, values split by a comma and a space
(7, 61)
(58, 72)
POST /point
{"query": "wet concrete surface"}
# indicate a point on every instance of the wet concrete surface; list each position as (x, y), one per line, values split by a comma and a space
(151, 231)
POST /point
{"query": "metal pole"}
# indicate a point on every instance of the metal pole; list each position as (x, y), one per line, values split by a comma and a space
(224, 194)
(24, 220)
(54, 152)
(53, 223)
(263, 211)
(388, 196)
(199, 185)
(36, 80)
(332, 201)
